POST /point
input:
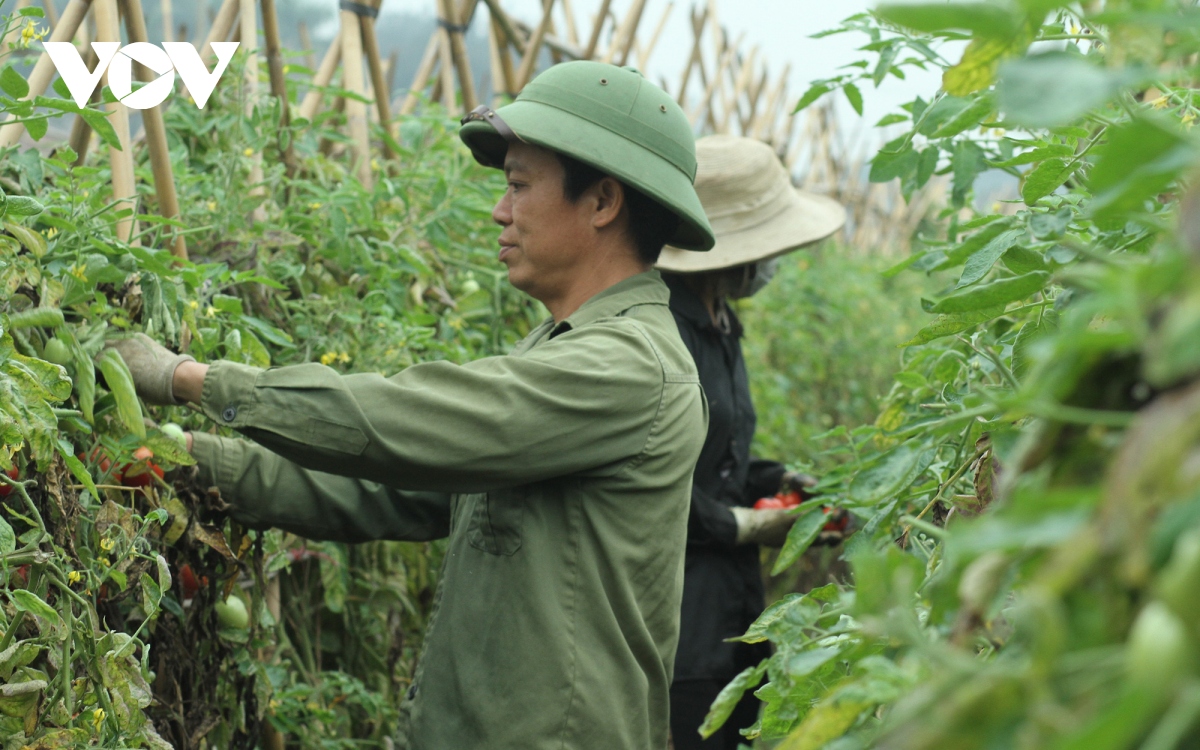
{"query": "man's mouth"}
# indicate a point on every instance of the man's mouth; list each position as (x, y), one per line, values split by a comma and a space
(504, 250)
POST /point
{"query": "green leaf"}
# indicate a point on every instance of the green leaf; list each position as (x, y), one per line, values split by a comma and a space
(887, 56)
(894, 471)
(1038, 154)
(945, 325)
(1020, 259)
(977, 68)
(99, 123)
(982, 261)
(815, 92)
(827, 721)
(1140, 159)
(800, 537)
(891, 119)
(730, 696)
(120, 383)
(20, 205)
(983, 106)
(8, 539)
(13, 83)
(37, 127)
(1056, 88)
(27, 601)
(980, 18)
(167, 450)
(999, 292)
(854, 96)
(966, 163)
(78, 470)
(927, 164)
(888, 165)
(1047, 177)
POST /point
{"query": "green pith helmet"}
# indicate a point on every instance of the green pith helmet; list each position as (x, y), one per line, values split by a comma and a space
(612, 119)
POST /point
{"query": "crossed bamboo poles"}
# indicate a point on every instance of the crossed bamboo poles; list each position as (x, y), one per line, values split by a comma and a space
(722, 89)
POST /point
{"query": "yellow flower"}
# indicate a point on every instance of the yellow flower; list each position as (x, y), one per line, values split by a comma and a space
(328, 358)
(1189, 119)
(375, 165)
(74, 577)
(30, 34)
(106, 544)
(456, 323)
(343, 357)
(212, 205)
(210, 311)
(314, 205)
(106, 562)
(248, 152)
(98, 718)
(51, 232)
(78, 272)
(194, 304)
(1160, 102)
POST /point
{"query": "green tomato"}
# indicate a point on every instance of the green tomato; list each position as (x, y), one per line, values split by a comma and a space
(232, 613)
(175, 432)
(1158, 654)
(57, 352)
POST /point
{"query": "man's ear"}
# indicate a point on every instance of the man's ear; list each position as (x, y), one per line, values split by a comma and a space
(610, 199)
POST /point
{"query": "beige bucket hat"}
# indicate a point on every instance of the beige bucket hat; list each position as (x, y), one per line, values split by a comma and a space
(754, 211)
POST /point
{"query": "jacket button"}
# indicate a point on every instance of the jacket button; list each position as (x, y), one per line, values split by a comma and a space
(412, 691)
(229, 413)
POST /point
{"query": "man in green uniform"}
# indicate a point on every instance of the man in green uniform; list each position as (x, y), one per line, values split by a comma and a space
(561, 472)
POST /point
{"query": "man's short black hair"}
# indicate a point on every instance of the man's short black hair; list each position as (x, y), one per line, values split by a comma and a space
(650, 223)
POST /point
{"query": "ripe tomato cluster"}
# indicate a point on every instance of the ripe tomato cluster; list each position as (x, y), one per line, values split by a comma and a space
(838, 523)
(140, 473)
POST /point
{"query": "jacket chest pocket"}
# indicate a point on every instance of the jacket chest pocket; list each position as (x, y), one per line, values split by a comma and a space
(495, 524)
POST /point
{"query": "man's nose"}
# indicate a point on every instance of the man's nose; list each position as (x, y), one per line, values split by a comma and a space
(502, 213)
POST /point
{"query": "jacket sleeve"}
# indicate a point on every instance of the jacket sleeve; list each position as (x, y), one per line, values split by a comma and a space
(581, 403)
(710, 522)
(266, 491)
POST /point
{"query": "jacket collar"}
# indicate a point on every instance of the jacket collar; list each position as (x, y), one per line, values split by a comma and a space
(645, 288)
(686, 304)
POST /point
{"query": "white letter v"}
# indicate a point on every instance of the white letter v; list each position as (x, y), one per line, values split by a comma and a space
(74, 73)
(200, 83)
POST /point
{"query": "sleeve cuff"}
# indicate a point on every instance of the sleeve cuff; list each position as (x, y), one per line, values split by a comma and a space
(228, 396)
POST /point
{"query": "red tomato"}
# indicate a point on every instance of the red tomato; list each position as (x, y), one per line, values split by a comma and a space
(789, 499)
(769, 503)
(191, 583)
(5, 489)
(98, 457)
(138, 474)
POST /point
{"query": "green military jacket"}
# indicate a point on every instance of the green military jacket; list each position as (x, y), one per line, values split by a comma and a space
(561, 474)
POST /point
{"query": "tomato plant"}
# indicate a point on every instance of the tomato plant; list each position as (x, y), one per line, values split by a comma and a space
(1026, 516)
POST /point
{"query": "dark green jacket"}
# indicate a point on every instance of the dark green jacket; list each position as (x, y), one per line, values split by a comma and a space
(561, 474)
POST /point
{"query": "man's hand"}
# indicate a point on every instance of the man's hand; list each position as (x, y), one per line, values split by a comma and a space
(794, 481)
(152, 367)
(769, 527)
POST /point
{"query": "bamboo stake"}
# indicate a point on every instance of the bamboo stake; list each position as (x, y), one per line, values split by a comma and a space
(497, 67)
(356, 110)
(644, 54)
(203, 21)
(556, 55)
(278, 81)
(506, 62)
(589, 52)
(156, 133)
(529, 61)
(51, 12)
(618, 53)
(569, 23)
(168, 20)
(310, 59)
(312, 98)
(381, 91)
(393, 60)
(506, 24)
(769, 114)
(458, 48)
(424, 70)
(221, 26)
(699, 21)
(248, 27)
(739, 88)
(705, 103)
(43, 70)
(445, 85)
(753, 95)
(124, 190)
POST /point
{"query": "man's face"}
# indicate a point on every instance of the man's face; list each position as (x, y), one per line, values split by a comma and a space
(544, 235)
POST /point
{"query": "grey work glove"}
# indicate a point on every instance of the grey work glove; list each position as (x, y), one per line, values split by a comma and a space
(769, 527)
(152, 367)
